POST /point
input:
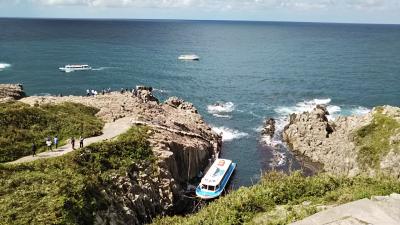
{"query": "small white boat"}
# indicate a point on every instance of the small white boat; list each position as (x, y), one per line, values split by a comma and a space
(214, 182)
(189, 57)
(72, 68)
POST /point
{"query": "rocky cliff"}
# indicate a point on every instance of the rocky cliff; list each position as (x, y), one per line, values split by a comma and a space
(181, 141)
(11, 92)
(348, 145)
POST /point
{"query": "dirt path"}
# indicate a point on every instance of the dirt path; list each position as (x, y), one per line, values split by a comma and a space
(110, 131)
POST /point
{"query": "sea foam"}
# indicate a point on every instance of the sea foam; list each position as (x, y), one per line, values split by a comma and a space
(4, 66)
(229, 134)
(221, 107)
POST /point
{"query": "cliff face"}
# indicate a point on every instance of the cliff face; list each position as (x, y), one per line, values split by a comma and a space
(181, 141)
(11, 92)
(349, 145)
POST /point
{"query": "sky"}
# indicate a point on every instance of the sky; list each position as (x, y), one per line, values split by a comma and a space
(347, 11)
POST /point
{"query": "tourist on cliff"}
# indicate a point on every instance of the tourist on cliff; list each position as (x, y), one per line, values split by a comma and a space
(73, 143)
(87, 92)
(33, 149)
(48, 143)
(81, 142)
(55, 140)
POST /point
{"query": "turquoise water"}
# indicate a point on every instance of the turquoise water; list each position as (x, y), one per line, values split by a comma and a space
(262, 69)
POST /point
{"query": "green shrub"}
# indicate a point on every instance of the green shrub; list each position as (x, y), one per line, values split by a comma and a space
(244, 205)
(67, 189)
(373, 139)
(22, 125)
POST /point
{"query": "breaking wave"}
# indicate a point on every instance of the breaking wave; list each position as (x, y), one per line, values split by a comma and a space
(100, 68)
(4, 66)
(229, 134)
(221, 107)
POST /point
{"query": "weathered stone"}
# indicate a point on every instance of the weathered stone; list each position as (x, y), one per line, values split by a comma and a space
(11, 92)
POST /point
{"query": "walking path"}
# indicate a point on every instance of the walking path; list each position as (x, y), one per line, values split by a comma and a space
(110, 131)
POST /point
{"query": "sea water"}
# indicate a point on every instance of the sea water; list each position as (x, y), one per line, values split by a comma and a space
(254, 70)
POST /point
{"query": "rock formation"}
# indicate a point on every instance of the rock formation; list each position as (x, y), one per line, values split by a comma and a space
(333, 143)
(181, 141)
(269, 127)
(11, 92)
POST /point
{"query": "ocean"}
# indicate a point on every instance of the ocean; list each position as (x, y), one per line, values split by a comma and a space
(255, 70)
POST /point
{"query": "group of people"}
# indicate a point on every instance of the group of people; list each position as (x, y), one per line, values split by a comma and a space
(50, 143)
(94, 92)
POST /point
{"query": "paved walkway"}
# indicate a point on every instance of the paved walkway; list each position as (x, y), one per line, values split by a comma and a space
(110, 131)
(380, 210)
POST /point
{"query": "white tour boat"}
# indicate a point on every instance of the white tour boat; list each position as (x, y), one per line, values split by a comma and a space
(72, 68)
(214, 182)
(189, 57)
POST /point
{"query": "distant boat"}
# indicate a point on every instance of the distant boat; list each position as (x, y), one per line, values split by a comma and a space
(214, 182)
(189, 57)
(72, 68)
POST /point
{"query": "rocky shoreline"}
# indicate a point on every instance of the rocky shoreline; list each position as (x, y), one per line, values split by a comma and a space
(335, 143)
(181, 141)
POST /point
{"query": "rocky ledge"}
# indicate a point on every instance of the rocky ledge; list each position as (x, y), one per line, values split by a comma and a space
(11, 92)
(181, 141)
(348, 145)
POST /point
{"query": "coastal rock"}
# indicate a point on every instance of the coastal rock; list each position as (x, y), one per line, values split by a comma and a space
(182, 143)
(333, 143)
(269, 127)
(11, 92)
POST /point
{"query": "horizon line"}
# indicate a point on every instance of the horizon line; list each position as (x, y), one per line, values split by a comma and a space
(205, 20)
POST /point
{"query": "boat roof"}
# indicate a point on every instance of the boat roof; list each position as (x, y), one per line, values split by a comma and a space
(83, 65)
(216, 172)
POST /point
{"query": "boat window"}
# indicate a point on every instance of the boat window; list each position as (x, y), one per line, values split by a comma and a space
(217, 187)
(203, 186)
(211, 188)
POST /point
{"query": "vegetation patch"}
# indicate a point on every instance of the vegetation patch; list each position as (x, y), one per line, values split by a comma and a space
(67, 189)
(280, 198)
(373, 140)
(21, 125)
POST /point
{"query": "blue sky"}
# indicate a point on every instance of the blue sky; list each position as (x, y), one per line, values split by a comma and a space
(355, 11)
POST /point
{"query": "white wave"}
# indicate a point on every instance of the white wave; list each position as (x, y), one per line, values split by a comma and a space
(100, 68)
(4, 66)
(229, 134)
(360, 111)
(161, 90)
(304, 106)
(222, 116)
(221, 107)
(279, 159)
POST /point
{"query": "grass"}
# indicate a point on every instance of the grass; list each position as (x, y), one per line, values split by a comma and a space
(21, 125)
(277, 192)
(373, 140)
(67, 189)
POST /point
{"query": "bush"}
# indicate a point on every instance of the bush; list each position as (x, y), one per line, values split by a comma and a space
(22, 125)
(244, 205)
(67, 189)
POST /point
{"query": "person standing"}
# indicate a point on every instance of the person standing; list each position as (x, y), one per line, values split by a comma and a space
(73, 143)
(49, 143)
(81, 142)
(56, 141)
(33, 149)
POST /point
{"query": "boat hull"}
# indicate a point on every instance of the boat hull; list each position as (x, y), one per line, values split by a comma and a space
(214, 194)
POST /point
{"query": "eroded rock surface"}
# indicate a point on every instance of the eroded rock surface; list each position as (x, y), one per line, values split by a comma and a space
(332, 143)
(181, 141)
(11, 92)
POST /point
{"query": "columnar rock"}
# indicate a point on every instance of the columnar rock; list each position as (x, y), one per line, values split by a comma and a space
(333, 143)
(181, 141)
(11, 92)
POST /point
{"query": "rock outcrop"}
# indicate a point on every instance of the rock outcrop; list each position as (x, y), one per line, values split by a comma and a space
(181, 141)
(11, 92)
(269, 127)
(333, 143)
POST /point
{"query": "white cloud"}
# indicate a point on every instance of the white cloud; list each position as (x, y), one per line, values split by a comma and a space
(230, 4)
